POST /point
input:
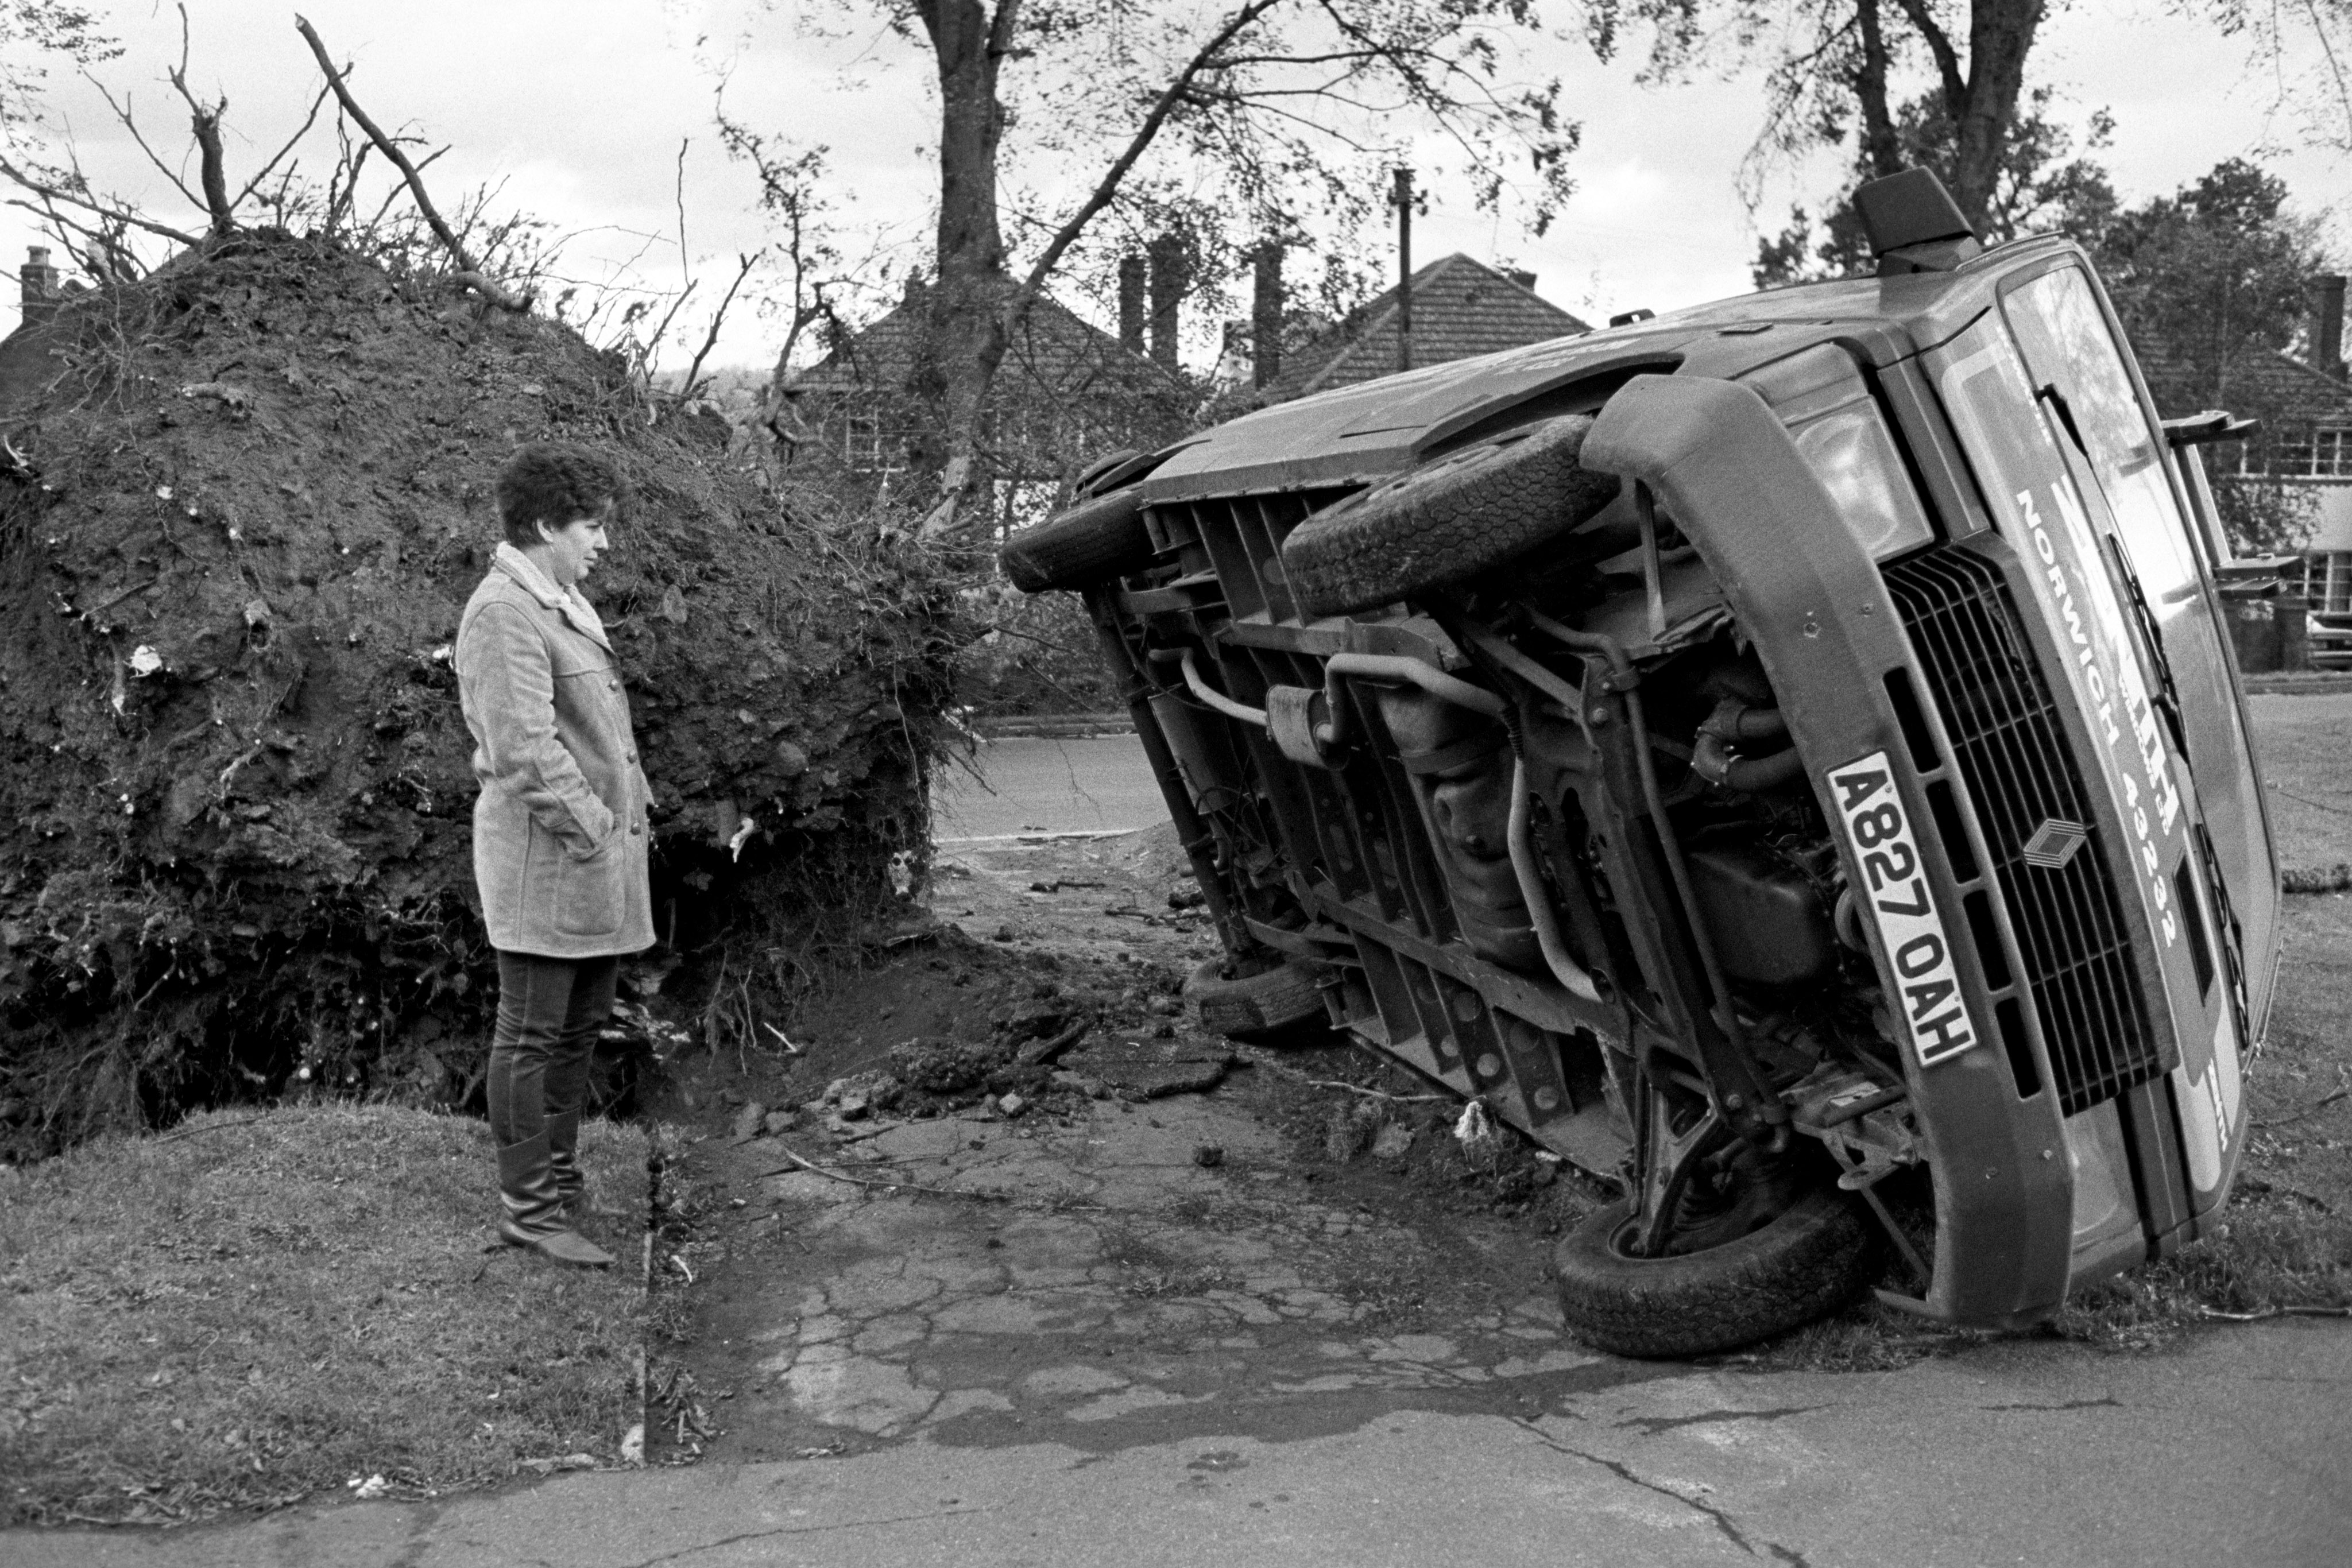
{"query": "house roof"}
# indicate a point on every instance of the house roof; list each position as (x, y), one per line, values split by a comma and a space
(1461, 308)
(2280, 385)
(1054, 352)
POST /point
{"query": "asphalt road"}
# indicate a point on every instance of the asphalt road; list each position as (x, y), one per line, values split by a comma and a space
(2231, 1451)
(1019, 786)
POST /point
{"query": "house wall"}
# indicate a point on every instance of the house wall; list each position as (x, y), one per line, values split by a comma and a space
(2332, 531)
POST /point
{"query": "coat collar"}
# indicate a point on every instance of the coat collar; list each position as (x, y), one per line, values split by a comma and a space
(540, 586)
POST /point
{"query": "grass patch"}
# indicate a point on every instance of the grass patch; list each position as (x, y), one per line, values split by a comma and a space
(2288, 1239)
(253, 1308)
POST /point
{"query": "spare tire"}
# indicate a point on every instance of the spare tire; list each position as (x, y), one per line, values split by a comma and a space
(1447, 521)
(1813, 1258)
(1092, 542)
(1258, 1006)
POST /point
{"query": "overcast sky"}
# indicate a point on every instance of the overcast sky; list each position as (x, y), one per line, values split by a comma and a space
(576, 109)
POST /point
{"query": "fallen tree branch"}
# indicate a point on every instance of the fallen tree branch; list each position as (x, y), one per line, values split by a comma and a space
(123, 114)
(468, 272)
(831, 1175)
(2274, 1312)
(1376, 1093)
(2313, 1109)
(118, 214)
(307, 120)
(717, 316)
(212, 161)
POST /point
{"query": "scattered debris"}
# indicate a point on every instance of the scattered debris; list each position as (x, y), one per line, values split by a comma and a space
(1149, 1069)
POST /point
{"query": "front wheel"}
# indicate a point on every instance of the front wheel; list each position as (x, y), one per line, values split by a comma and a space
(1264, 1008)
(1808, 1261)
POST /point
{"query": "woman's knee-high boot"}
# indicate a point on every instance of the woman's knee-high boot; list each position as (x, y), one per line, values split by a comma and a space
(534, 1207)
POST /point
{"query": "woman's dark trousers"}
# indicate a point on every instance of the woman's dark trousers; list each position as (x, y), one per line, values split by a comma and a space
(549, 1010)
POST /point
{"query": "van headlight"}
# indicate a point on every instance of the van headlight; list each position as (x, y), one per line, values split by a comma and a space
(1853, 456)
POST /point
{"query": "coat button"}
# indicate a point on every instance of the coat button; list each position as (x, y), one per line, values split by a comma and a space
(638, 831)
(614, 684)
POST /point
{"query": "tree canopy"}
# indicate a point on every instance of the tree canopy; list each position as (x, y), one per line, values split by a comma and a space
(2213, 283)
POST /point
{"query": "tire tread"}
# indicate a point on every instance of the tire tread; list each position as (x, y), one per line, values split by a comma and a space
(1446, 521)
(1096, 540)
(1808, 1261)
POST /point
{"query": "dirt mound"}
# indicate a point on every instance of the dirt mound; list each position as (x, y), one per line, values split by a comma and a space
(255, 492)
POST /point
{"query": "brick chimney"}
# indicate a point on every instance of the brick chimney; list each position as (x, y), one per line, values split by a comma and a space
(1265, 313)
(1133, 275)
(1526, 280)
(1168, 285)
(2327, 325)
(39, 282)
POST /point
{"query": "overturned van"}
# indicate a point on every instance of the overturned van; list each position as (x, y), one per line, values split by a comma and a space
(1785, 754)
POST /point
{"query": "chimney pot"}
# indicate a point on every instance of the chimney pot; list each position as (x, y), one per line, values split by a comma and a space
(1134, 272)
(1167, 286)
(37, 284)
(1266, 314)
(2327, 325)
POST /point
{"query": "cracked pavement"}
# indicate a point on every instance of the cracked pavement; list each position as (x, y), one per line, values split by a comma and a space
(1120, 1293)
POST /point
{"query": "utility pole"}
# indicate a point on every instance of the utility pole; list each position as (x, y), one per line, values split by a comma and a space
(1404, 269)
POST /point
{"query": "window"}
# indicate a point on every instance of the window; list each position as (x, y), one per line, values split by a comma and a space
(2325, 453)
(871, 448)
(2327, 582)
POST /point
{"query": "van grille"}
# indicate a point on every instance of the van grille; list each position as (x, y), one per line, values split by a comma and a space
(2021, 775)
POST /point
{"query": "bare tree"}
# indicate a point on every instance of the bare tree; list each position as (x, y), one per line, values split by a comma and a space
(1286, 103)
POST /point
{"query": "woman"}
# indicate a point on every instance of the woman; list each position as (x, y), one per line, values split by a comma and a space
(560, 831)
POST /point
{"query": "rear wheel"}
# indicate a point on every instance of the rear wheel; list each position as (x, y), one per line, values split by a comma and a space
(1721, 1244)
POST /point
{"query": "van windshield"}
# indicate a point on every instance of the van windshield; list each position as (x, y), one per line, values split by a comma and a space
(2078, 373)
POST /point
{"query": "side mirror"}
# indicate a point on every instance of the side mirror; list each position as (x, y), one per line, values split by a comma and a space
(2213, 424)
(1913, 223)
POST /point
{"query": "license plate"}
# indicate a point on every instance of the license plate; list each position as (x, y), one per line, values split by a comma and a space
(1894, 889)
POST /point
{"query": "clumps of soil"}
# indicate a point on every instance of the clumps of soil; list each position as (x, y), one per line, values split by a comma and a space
(1091, 1034)
(950, 1026)
(235, 790)
(1389, 1128)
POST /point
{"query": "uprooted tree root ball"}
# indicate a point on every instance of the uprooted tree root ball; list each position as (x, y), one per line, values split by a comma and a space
(254, 493)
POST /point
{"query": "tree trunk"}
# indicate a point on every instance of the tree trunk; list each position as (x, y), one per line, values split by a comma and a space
(966, 317)
(2000, 35)
(1878, 139)
(212, 171)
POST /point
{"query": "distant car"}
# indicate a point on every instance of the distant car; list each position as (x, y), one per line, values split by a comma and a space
(1787, 752)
